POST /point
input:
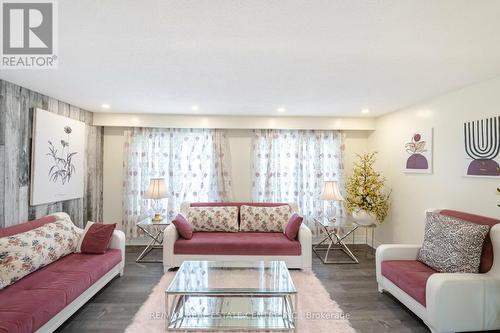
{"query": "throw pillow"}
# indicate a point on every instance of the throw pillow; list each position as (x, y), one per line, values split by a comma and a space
(452, 245)
(293, 226)
(97, 238)
(183, 227)
(264, 219)
(82, 235)
(223, 218)
(23, 253)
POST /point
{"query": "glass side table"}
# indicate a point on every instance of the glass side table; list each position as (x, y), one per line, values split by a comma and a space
(336, 231)
(154, 230)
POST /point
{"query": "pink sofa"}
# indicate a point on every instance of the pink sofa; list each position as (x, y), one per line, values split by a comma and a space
(446, 302)
(237, 246)
(44, 299)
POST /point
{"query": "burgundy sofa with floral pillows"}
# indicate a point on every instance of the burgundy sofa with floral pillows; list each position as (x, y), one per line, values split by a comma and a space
(49, 268)
(238, 231)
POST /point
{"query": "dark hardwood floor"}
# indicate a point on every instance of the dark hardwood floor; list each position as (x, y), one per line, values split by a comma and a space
(352, 286)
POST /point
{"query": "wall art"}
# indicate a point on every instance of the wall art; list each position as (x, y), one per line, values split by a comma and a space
(482, 147)
(57, 158)
(418, 151)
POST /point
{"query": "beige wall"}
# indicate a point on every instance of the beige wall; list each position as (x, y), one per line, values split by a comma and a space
(239, 145)
(113, 174)
(446, 187)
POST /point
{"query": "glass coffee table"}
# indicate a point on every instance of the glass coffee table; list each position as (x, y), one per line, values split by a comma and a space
(218, 296)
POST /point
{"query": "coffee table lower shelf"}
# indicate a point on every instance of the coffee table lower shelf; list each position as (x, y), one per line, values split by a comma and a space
(229, 312)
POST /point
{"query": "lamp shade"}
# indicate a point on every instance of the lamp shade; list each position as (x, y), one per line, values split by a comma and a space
(157, 189)
(331, 191)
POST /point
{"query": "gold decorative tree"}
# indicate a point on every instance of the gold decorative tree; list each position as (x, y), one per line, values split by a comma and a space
(365, 189)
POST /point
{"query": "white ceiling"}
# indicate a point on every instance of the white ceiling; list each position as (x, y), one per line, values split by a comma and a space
(236, 57)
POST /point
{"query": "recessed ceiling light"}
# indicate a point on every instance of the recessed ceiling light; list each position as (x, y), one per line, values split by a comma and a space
(195, 108)
(105, 106)
(281, 109)
(365, 111)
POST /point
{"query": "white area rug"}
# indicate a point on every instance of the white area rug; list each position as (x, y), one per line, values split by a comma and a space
(316, 311)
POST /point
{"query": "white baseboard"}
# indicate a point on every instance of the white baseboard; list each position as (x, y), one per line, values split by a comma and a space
(359, 238)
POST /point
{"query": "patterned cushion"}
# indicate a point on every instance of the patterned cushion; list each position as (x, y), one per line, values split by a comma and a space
(452, 245)
(23, 253)
(213, 218)
(264, 219)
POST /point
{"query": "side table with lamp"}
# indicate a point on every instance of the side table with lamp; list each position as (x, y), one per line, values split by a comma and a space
(153, 226)
(336, 228)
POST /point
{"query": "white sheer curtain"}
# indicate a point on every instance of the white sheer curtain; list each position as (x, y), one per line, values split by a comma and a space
(194, 162)
(291, 165)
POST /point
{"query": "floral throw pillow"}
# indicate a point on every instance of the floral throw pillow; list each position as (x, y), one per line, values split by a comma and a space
(452, 245)
(264, 219)
(213, 218)
(26, 252)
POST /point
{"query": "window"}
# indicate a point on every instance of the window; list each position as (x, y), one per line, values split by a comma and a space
(194, 163)
(291, 165)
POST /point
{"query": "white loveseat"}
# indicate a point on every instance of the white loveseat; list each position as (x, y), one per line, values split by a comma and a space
(454, 302)
(296, 254)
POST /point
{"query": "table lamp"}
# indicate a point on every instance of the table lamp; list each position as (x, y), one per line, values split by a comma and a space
(331, 193)
(156, 191)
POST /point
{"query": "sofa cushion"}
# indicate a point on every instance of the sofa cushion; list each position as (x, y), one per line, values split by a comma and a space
(213, 218)
(242, 243)
(26, 226)
(23, 253)
(97, 238)
(409, 275)
(293, 226)
(29, 303)
(487, 254)
(183, 227)
(452, 245)
(264, 219)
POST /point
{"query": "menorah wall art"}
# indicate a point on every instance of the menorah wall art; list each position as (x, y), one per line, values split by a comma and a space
(482, 147)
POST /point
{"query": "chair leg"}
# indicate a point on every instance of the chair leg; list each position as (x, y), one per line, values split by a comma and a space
(380, 289)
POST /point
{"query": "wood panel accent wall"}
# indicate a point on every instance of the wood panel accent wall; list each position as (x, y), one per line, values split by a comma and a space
(16, 122)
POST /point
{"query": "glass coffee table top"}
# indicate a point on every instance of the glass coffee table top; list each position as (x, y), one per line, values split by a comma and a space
(220, 296)
(214, 277)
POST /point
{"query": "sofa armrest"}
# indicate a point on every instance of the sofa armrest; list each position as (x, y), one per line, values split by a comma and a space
(305, 239)
(170, 235)
(394, 252)
(118, 242)
(463, 302)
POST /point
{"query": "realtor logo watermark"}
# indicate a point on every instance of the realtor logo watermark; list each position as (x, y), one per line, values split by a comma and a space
(29, 39)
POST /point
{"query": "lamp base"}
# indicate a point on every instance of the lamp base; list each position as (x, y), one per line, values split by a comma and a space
(157, 217)
(331, 212)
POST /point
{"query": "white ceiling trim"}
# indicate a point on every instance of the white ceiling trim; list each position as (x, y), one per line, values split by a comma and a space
(232, 122)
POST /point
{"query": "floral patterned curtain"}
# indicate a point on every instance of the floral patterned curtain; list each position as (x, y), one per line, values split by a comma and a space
(194, 162)
(291, 165)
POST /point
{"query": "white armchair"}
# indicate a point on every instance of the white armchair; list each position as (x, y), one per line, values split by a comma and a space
(455, 302)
